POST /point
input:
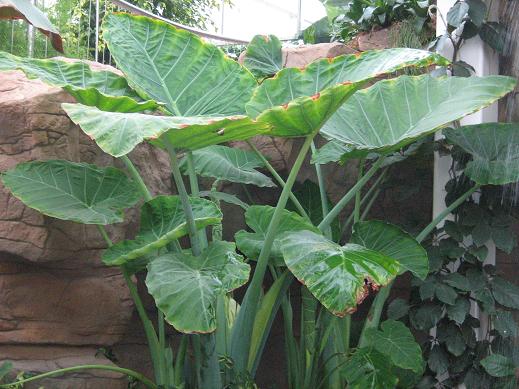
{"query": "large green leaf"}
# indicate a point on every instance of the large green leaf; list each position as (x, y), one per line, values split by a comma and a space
(394, 113)
(103, 89)
(162, 221)
(258, 218)
(494, 148)
(263, 56)
(340, 277)
(176, 67)
(297, 102)
(229, 164)
(24, 9)
(369, 369)
(185, 288)
(118, 133)
(73, 191)
(393, 242)
(397, 342)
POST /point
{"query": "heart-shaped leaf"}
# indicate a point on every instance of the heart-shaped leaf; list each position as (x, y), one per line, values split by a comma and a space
(394, 113)
(176, 67)
(162, 221)
(340, 277)
(229, 164)
(397, 342)
(498, 365)
(494, 148)
(258, 218)
(263, 56)
(24, 9)
(118, 133)
(393, 242)
(185, 288)
(103, 89)
(298, 101)
(73, 191)
(369, 369)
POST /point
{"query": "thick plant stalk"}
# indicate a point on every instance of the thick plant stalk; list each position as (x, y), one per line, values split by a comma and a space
(184, 199)
(241, 337)
(280, 180)
(149, 330)
(348, 196)
(322, 193)
(145, 381)
(373, 319)
(368, 206)
(210, 373)
(195, 191)
(432, 225)
(134, 173)
(356, 211)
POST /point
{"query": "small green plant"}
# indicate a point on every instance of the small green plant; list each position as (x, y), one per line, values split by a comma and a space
(204, 99)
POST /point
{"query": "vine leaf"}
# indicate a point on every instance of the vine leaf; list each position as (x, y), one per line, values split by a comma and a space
(340, 277)
(73, 191)
(263, 56)
(192, 77)
(185, 288)
(494, 148)
(258, 218)
(229, 164)
(23, 9)
(162, 221)
(394, 113)
(103, 89)
(498, 365)
(118, 133)
(393, 242)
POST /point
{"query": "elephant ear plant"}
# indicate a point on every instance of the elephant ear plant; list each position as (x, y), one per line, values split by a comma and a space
(201, 100)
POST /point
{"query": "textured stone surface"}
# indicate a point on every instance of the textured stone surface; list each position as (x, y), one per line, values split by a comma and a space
(55, 290)
(41, 359)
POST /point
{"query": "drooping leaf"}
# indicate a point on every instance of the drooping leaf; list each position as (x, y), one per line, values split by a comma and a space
(263, 56)
(505, 293)
(226, 197)
(340, 277)
(185, 288)
(394, 113)
(229, 164)
(505, 324)
(393, 242)
(459, 311)
(457, 13)
(331, 152)
(494, 34)
(162, 221)
(298, 102)
(426, 316)
(445, 294)
(369, 369)
(438, 360)
(176, 67)
(494, 148)
(118, 133)
(73, 191)
(24, 9)
(397, 342)
(103, 89)
(258, 218)
(498, 365)
(397, 309)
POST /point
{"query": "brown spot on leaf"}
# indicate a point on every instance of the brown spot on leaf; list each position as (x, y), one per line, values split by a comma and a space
(316, 96)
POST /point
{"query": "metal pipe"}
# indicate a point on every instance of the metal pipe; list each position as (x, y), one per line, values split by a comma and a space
(139, 11)
(97, 32)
